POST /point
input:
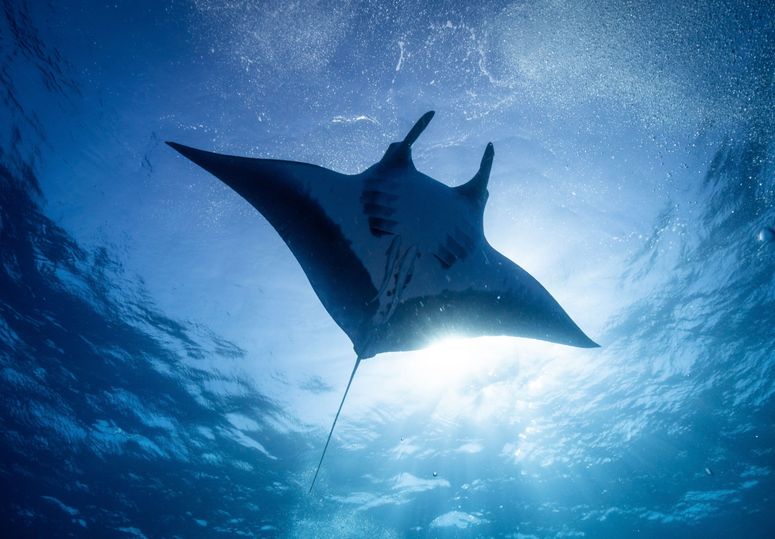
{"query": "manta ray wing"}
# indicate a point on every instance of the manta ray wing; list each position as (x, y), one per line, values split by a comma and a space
(502, 299)
(280, 191)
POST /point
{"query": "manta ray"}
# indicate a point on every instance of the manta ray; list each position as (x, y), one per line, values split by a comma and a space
(397, 258)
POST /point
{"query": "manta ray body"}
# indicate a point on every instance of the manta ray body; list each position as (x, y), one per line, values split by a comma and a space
(397, 258)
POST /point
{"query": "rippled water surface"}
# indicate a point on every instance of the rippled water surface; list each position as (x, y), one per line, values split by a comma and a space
(167, 371)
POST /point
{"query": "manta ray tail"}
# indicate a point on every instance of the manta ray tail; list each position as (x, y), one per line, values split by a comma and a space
(347, 389)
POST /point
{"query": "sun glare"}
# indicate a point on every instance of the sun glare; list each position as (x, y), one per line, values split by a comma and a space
(456, 361)
(484, 379)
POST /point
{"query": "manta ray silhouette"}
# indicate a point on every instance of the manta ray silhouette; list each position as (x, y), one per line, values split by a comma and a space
(396, 257)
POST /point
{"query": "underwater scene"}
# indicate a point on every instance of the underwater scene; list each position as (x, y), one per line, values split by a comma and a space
(537, 237)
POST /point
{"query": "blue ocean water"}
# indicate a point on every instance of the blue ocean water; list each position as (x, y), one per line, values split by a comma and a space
(167, 371)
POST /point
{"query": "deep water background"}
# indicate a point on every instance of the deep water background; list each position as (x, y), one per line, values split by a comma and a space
(167, 371)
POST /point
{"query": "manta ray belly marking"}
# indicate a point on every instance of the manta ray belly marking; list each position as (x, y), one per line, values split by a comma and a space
(456, 247)
(398, 275)
(379, 205)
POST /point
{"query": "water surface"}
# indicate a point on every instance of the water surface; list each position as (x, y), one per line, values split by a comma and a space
(167, 371)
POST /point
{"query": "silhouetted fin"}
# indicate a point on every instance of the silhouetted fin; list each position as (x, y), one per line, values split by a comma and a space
(400, 153)
(476, 188)
(418, 128)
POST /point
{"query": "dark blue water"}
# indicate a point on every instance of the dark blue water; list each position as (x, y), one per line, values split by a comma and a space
(167, 371)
